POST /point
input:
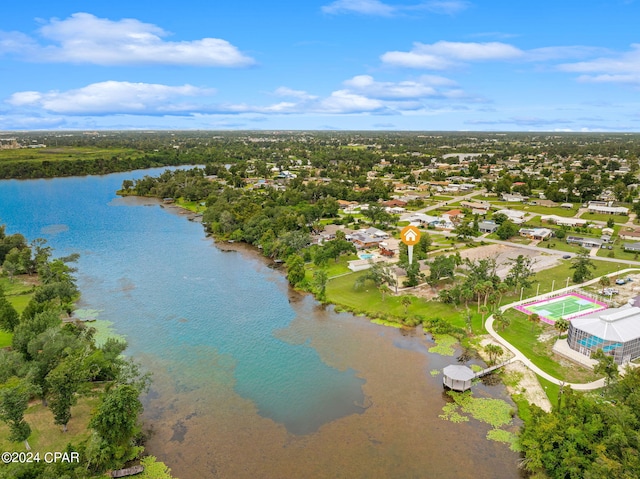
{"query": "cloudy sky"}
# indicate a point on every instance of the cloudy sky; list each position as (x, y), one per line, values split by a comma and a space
(481, 65)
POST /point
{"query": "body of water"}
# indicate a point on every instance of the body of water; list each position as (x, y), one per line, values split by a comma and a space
(250, 379)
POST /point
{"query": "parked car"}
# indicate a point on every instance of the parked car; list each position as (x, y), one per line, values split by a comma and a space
(609, 291)
(566, 256)
(620, 281)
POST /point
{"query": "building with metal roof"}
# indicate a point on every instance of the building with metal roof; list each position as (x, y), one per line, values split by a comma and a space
(616, 331)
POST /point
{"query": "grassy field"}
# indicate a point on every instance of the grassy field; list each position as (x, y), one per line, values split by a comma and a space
(369, 301)
(5, 339)
(604, 217)
(65, 153)
(193, 206)
(524, 336)
(45, 435)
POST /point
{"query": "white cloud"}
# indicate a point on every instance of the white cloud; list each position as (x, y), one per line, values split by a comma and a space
(366, 85)
(111, 97)
(361, 94)
(378, 8)
(364, 7)
(442, 55)
(85, 38)
(615, 68)
(288, 92)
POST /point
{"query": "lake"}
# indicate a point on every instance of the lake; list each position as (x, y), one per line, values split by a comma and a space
(250, 379)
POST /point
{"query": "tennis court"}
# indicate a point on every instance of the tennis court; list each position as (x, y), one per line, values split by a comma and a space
(566, 306)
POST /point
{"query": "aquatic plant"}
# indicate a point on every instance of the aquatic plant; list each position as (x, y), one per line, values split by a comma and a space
(444, 345)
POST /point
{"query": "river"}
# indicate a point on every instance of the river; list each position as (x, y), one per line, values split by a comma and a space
(250, 379)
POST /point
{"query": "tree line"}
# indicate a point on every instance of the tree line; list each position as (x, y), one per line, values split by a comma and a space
(59, 362)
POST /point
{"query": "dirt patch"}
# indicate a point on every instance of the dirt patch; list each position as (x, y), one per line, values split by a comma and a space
(528, 386)
(503, 254)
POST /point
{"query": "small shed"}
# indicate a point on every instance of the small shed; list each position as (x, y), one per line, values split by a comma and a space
(458, 377)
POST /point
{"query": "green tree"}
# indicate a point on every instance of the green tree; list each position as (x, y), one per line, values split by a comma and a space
(14, 399)
(9, 317)
(320, 279)
(533, 318)
(494, 351)
(115, 423)
(606, 366)
(562, 325)
(520, 273)
(405, 301)
(506, 230)
(64, 381)
(295, 269)
(503, 320)
(582, 266)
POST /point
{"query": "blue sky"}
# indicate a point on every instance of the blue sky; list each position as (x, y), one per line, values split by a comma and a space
(335, 64)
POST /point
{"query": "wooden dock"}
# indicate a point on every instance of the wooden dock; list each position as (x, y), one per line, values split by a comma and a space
(460, 378)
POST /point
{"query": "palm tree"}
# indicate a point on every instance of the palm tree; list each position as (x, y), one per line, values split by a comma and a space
(604, 281)
(533, 317)
(562, 325)
(501, 319)
(406, 302)
(384, 290)
(494, 351)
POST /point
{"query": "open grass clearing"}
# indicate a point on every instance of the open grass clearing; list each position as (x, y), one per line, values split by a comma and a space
(45, 435)
(605, 217)
(524, 335)
(65, 153)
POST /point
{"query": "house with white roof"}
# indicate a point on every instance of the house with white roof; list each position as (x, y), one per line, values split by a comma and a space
(616, 331)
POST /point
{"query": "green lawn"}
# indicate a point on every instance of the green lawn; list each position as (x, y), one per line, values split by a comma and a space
(66, 153)
(45, 435)
(523, 335)
(5, 339)
(18, 292)
(333, 268)
(193, 206)
(541, 210)
(369, 301)
(604, 217)
(550, 389)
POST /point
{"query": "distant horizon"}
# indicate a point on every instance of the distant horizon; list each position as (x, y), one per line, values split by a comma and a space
(322, 65)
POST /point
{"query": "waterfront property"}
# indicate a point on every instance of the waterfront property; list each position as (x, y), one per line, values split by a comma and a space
(616, 332)
(565, 306)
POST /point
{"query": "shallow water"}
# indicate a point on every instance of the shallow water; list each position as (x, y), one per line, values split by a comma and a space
(250, 379)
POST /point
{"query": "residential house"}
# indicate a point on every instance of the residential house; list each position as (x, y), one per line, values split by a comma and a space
(488, 226)
(631, 247)
(585, 242)
(537, 234)
(629, 235)
(514, 216)
(476, 208)
(562, 221)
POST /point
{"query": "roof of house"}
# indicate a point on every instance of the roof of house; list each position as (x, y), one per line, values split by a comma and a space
(615, 324)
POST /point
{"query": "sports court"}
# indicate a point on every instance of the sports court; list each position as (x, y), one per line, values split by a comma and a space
(566, 306)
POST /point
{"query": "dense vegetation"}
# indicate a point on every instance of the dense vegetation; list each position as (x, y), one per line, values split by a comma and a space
(587, 436)
(59, 363)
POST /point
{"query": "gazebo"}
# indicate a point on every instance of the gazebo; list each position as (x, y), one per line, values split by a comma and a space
(457, 378)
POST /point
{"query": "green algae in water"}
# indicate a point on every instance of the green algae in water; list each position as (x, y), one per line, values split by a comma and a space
(476, 368)
(104, 331)
(450, 413)
(384, 322)
(434, 372)
(494, 412)
(444, 345)
(500, 435)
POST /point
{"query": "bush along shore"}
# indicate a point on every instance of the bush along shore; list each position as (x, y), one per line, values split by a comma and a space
(61, 394)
